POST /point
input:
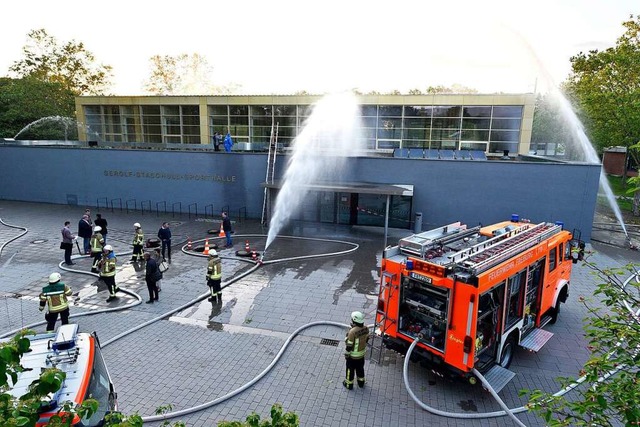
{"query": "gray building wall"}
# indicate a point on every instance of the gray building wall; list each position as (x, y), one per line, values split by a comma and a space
(444, 190)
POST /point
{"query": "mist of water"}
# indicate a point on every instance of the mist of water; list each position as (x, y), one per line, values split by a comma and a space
(65, 121)
(586, 148)
(330, 135)
(579, 136)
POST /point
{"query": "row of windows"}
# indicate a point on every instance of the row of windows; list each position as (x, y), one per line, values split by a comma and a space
(487, 128)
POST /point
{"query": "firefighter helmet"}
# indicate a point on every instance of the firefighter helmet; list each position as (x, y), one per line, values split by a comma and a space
(213, 253)
(97, 228)
(54, 277)
(136, 225)
(108, 248)
(357, 317)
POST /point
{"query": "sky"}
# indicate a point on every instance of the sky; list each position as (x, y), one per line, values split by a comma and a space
(283, 47)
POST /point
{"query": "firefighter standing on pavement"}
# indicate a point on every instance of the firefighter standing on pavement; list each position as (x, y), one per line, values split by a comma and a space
(97, 243)
(107, 267)
(214, 276)
(138, 243)
(55, 295)
(356, 346)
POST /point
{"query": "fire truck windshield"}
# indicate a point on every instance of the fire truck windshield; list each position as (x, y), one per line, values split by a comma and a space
(99, 389)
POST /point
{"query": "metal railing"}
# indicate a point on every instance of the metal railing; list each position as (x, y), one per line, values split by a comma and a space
(195, 205)
(142, 206)
(119, 201)
(106, 202)
(173, 208)
(135, 204)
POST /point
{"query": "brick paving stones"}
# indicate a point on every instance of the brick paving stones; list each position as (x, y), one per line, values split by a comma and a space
(207, 350)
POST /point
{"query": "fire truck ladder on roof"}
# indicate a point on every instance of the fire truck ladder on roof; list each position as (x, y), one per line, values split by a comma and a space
(376, 343)
(271, 167)
(501, 250)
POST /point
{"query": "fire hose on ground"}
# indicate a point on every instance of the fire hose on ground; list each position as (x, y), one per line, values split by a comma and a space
(504, 412)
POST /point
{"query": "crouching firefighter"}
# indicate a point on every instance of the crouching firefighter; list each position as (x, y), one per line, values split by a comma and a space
(355, 348)
(55, 296)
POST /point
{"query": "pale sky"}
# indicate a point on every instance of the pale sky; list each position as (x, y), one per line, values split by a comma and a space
(282, 46)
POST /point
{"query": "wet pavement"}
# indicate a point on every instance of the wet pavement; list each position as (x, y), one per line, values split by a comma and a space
(209, 349)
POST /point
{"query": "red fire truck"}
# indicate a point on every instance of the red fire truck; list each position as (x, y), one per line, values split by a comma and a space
(79, 356)
(471, 295)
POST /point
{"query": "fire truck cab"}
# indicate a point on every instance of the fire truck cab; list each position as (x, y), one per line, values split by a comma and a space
(471, 295)
(79, 356)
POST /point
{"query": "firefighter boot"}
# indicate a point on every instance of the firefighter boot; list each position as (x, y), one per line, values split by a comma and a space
(361, 382)
(347, 384)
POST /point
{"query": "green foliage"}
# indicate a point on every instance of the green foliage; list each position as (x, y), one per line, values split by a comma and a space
(70, 64)
(22, 101)
(278, 419)
(612, 375)
(606, 86)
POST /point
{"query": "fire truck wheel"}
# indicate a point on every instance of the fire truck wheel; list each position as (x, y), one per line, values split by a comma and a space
(554, 313)
(507, 352)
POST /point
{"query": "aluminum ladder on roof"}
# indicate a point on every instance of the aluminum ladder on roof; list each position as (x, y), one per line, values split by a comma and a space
(376, 341)
(271, 167)
(504, 249)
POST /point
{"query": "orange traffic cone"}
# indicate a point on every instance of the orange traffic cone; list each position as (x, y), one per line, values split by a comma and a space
(189, 244)
(221, 232)
(247, 249)
(206, 247)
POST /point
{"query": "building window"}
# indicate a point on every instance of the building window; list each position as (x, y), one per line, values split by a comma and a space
(151, 123)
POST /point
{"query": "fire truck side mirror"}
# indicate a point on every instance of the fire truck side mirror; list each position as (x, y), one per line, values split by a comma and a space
(577, 251)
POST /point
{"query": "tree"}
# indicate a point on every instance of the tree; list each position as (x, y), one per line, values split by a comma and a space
(70, 64)
(278, 419)
(23, 101)
(606, 86)
(185, 74)
(610, 394)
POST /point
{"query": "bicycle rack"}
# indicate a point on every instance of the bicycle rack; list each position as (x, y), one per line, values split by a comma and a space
(135, 204)
(205, 210)
(142, 206)
(164, 203)
(119, 201)
(189, 209)
(173, 208)
(106, 203)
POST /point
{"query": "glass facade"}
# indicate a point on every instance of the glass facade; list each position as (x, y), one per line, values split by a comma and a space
(143, 123)
(487, 128)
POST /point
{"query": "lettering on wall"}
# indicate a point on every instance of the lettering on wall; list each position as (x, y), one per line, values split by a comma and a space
(171, 176)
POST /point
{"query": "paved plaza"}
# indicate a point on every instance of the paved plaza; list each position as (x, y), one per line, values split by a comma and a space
(207, 350)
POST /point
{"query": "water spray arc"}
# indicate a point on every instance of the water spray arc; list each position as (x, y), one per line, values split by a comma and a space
(329, 136)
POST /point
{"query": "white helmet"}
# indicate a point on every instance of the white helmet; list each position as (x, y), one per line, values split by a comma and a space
(136, 225)
(108, 248)
(97, 228)
(357, 317)
(54, 277)
(213, 252)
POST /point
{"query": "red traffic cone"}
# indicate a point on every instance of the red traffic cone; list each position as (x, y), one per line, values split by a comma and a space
(247, 249)
(206, 247)
(189, 244)
(254, 255)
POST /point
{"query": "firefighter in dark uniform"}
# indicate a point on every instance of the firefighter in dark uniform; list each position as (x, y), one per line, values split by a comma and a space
(97, 243)
(107, 266)
(55, 295)
(355, 349)
(214, 276)
(138, 243)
